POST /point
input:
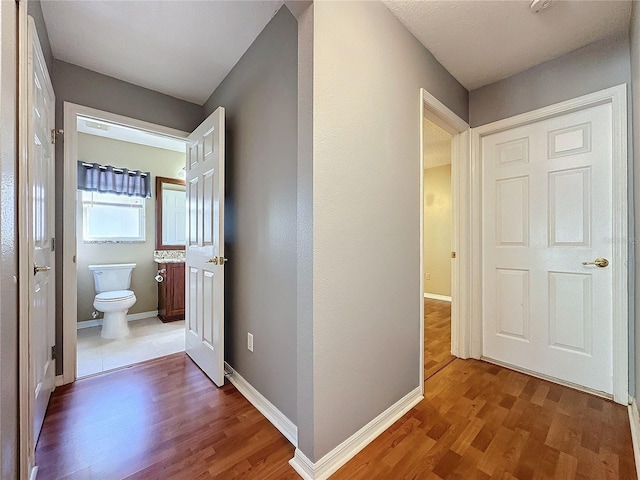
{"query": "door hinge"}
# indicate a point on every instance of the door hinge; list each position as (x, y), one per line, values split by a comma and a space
(453, 254)
(74, 259)
(53, 244)
(53, 352)
(55, 133)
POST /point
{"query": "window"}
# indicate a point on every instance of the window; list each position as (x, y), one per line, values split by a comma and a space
(108, 217)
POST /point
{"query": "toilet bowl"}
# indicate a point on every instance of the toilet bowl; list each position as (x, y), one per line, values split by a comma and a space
(113, 297)
(115, 306)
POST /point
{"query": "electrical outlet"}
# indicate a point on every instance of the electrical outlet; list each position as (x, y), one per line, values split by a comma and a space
(427, 276)
(250, 342)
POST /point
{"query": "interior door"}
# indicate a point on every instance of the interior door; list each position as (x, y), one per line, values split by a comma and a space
(547, 208)
(40, 213)
(205, 247)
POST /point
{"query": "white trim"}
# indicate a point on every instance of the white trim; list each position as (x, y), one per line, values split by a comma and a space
(70, 295)
(27, 451)
(634, 422)
(34, 473)
(442, 116)
(59, 381)
(616, 96)
(264, 406)
(436, 296)
(130, 318)
(344, 452)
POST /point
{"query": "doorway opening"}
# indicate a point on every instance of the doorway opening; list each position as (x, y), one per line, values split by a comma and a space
(445, 240)
(127, 257)
(111, 249)
(437, 200)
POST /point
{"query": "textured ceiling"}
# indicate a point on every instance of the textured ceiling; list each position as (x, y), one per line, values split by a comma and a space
(483, 41)
(180, 48)
(437, 145)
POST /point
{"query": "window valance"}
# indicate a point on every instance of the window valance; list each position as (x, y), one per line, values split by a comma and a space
(94, 177)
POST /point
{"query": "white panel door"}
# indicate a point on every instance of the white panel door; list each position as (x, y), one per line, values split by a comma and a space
(205, 247)
(547, 208)
(40, 214)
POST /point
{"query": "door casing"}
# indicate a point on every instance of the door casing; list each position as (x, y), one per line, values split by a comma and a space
(617, 97)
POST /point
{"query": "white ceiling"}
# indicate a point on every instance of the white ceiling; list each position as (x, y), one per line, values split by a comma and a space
(180, 48)
(104, 129)
(437, 145)
(483, 41)
(185, 48)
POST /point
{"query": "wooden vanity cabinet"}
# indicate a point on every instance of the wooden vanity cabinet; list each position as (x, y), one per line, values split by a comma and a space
(171, 292)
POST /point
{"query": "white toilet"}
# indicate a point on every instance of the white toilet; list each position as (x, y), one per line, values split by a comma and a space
(113, 297)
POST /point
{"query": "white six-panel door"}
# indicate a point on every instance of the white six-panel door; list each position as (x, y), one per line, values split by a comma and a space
(40, 215)
(205, 247)
(547, 208)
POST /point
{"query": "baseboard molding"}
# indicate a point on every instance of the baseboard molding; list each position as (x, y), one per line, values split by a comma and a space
(634, 422)
(59, 381)
(130, 318)
(264, 406)
(344, 452)
(34, 473)
(435, 296)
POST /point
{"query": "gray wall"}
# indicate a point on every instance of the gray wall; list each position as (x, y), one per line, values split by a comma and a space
(368, 71)
(34, 8)
(595, 67)
(635, 86)
(8, 254)
(85, 87)
(260, 98)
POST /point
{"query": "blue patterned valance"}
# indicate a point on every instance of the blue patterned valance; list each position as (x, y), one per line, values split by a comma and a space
(93, 177)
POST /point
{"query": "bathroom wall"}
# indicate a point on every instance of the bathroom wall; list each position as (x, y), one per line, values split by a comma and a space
(159, 162)
(437, 230)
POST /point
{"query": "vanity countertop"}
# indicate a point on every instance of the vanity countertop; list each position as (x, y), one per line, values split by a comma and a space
(169, 256)
(169, 260)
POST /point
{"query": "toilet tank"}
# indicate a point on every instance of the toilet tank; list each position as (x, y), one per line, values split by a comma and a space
(113, 276)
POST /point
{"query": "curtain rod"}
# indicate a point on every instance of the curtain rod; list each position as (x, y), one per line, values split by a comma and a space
(115, 169)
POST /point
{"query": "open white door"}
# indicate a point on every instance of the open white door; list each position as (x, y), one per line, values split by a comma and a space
(205, 247)
(39, 238)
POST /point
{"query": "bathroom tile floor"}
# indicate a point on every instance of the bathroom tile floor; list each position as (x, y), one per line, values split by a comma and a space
(148, 338)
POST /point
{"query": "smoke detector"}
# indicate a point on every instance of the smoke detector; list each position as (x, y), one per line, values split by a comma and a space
(538, 6)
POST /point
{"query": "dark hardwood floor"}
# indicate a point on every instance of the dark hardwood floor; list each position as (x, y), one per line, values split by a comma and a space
(165, 420)
(437, 336)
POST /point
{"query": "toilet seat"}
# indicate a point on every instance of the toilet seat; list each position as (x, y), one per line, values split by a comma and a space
(115, 296)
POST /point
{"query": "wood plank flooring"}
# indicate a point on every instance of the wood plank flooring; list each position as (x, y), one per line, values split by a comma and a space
(165, 420)
(437, 336)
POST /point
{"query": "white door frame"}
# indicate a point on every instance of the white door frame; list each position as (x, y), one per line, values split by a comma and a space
(617, 97)
(442, 116)
(70, 188)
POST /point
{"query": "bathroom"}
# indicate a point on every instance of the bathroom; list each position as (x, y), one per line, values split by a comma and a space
(126, 261)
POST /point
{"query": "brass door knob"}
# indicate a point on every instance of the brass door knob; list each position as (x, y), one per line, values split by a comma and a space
(213, 260)
(598, 262)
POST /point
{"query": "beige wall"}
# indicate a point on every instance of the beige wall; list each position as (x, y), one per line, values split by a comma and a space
(159, 162)
(437, 230)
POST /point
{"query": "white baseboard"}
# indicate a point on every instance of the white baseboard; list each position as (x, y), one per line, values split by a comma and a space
(59, 380)
(130, 318)
(34, 473)
(264, 406)
(634, 421)
(344, 452)
(435, 296)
